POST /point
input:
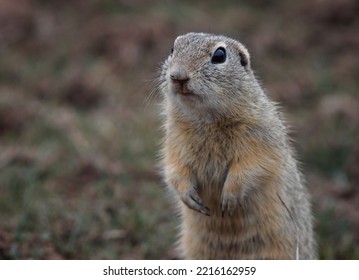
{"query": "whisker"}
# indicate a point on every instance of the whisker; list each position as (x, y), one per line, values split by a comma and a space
(156, 86)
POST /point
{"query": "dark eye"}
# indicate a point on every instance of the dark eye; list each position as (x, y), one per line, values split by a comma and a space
(172, 50)
(219, 56)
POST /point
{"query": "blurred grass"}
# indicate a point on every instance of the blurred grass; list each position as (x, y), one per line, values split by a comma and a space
(79, 143)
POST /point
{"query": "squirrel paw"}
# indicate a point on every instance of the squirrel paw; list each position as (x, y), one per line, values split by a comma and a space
(228, 204)
(194, 202)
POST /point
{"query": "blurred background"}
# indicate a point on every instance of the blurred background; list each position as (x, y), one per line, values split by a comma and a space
(79, 135)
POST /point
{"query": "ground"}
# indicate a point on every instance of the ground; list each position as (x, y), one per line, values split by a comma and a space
(80, 134)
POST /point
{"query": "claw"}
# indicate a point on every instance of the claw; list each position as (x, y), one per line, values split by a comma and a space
(193, 201)
(222, 209)
(228, 205)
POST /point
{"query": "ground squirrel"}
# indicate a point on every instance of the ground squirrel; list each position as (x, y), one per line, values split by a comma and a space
(227, 159)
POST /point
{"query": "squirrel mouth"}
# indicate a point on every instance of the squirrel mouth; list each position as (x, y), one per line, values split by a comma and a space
(182, 90)
(185, 92)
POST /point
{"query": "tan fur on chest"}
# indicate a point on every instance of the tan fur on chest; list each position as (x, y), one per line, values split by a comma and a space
(208, 153)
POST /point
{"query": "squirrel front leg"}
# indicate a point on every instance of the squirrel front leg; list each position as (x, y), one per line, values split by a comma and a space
(246, 175)
(240, 179)
(179, 178)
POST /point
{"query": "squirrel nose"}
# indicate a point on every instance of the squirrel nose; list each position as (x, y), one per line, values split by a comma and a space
(178, 74)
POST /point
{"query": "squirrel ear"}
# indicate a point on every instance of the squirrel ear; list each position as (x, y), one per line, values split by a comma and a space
(243, 54)
(244, 59)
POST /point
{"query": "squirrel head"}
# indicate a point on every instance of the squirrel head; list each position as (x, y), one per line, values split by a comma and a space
(206, 74)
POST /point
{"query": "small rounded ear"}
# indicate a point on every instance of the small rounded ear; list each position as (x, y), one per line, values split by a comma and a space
(243, 54)
(244, 59)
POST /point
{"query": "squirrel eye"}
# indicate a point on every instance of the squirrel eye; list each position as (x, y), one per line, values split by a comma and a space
(172, 50)
(219, 56)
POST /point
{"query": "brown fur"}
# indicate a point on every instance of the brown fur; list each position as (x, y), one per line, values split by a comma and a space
(227, 158)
